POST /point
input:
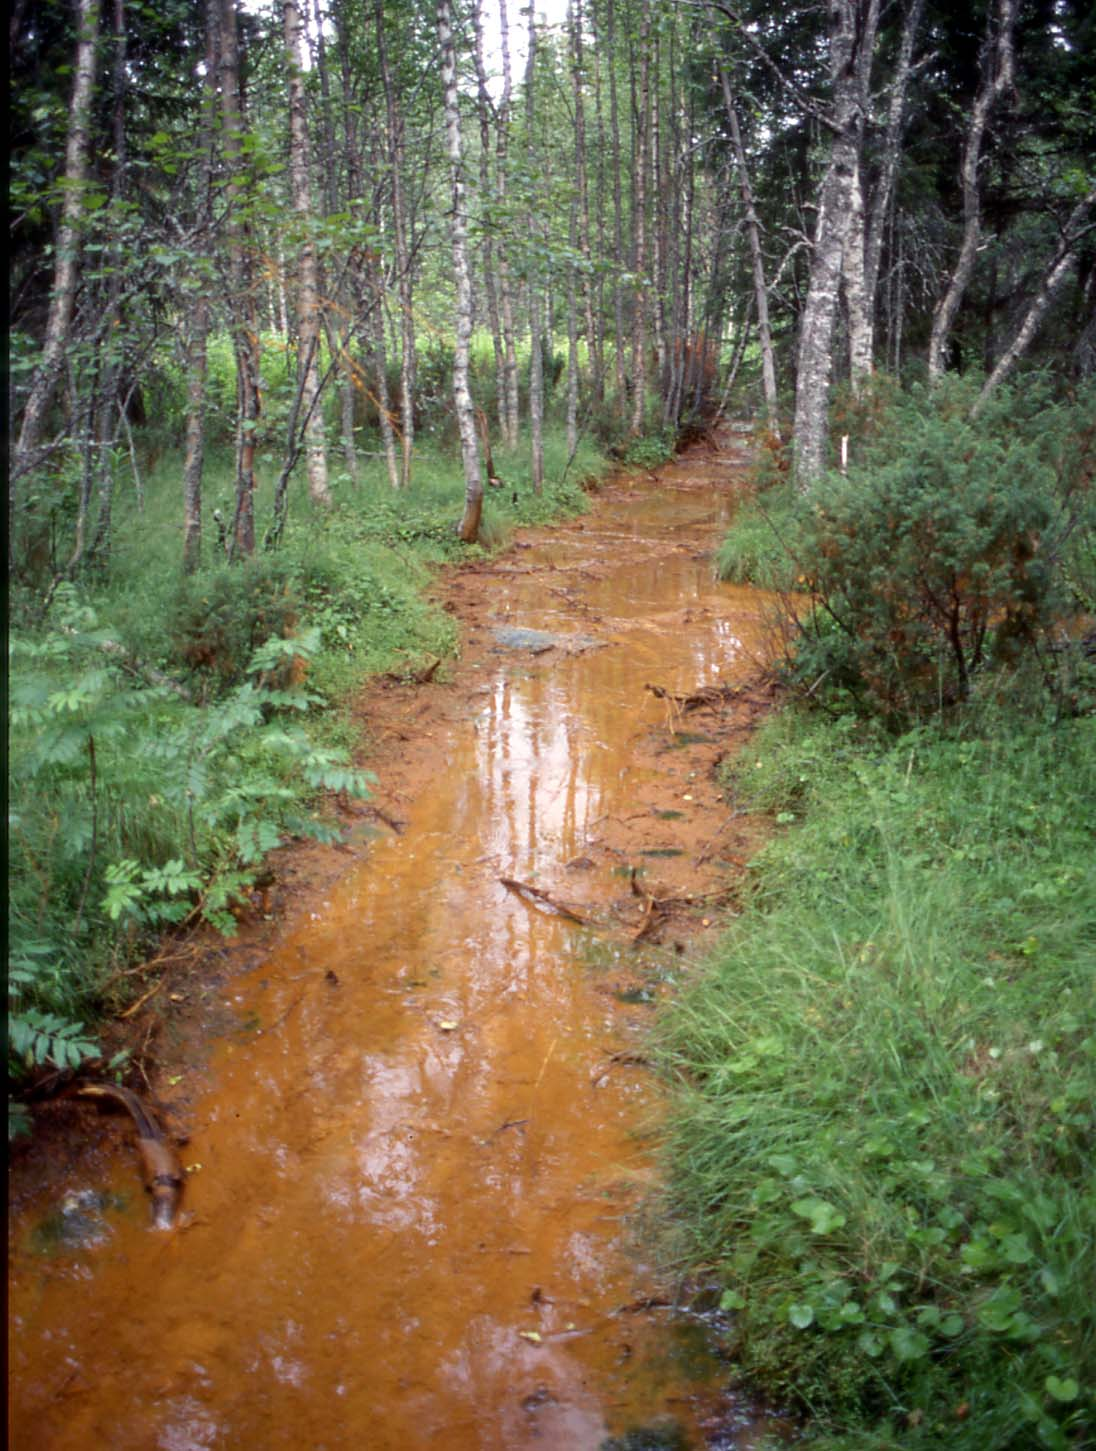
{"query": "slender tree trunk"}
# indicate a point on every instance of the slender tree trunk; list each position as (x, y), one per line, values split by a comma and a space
(200, 318)
(63, 291)
(403, 253)
(112, 345)
(510, 404)
(483, 111)
(639, 224)
(757, 260)
(853, 25)
(536, 346)
(462, 396)
(244, 327)
(582, 191)
(338, 334)
(660, 208)
(308, 282)
(572, 338)
(618, 215)
(997, 81)
(600, 212)
(883, 193)
(859, 307)
(1048, 289)
(380, 374)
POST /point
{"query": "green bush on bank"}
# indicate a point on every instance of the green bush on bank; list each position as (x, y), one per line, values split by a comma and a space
(952, 547)
(882, 1139)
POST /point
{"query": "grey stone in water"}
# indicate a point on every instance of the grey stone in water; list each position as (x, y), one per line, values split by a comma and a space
(535, 641)
(77, 1223)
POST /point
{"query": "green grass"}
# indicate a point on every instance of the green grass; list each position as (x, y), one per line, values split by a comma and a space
(761, 546)
(881, 1142)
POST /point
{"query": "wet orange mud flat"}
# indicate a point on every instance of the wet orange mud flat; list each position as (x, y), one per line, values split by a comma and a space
(421, 1138)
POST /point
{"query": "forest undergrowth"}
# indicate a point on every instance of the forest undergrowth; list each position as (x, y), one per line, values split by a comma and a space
(881, 1139)
(168, 730)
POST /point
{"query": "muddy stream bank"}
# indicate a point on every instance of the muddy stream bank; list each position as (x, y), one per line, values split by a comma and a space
(417, 1145)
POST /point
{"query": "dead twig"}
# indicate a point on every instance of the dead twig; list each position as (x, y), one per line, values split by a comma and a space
(707, 695)
(142, 1000)
(652, 916)
(624, 1057)
(543, 900)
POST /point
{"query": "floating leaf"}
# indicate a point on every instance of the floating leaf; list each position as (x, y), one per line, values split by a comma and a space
(732, 1300)
(800, 1315)
(532, 1336)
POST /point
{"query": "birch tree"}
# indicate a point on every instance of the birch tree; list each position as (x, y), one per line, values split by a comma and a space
(308, 290)
(458, 231)
(852, 30)
(66, 267)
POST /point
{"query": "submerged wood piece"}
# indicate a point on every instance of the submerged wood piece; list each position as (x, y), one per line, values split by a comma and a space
(162, 1170)
(707, 695)
(537, 898)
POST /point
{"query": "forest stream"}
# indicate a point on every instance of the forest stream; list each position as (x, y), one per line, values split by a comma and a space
(420, 1142)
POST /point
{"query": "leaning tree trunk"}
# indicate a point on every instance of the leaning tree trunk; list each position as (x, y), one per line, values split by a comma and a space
(63, 291)
(997, 73)
(308, 288)
(1048, 289)
(462, 396)
(853, 25)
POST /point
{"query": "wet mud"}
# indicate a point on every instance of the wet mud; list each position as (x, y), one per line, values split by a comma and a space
(424, 1121)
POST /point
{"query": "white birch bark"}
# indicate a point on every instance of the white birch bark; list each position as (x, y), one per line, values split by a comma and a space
(308, 290)
(858, 306)
(536, 347)
(403, 258)
(458, 227)
(63, 291)
(852, 43)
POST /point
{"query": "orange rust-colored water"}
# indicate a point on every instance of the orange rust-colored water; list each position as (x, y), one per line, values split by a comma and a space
(413, 1169)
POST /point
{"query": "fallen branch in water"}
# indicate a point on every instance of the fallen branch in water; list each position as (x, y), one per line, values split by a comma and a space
(707, 695)
(543, 900)
(625, 1057)
(415, 677)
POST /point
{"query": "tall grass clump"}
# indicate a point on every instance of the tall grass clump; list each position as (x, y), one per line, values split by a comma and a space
(881, 1142)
